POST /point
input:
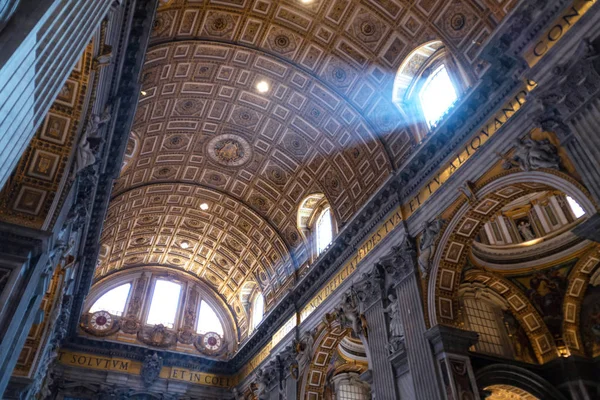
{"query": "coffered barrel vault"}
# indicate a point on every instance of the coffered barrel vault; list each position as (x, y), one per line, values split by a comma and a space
(353, 47)
(311, 199)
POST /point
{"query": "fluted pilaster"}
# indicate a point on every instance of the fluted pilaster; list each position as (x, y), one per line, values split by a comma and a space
(384, 385)
(420, 358)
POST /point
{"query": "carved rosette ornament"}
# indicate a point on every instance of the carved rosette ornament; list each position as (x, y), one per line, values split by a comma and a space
(151, 369)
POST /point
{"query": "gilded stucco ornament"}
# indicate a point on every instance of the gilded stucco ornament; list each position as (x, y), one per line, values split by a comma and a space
(229, 150)
(158, 336)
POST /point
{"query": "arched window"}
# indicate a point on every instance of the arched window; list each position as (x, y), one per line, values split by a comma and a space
(165, 301)
(316, 223)
(208, 321)
(575, 207)
(324, 230)
(437, 95)
(113, 301)
(258, 310)
(429, 81)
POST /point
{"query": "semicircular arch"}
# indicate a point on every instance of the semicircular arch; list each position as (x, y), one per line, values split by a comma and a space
(455, 240)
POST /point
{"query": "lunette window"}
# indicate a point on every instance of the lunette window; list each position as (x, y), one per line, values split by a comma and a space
(575, 207)
(165, 300)
(208, 321)
(113, 301)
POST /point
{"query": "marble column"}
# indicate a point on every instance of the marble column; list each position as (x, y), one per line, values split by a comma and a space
(24, 272)
(401, 268)
(39, 46)
(450, 346)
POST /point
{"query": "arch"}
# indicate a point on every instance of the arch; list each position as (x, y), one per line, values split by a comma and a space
(457, 236)
(257, 310)
(504, 374)
(412, 67)
(521, 308)
(328, 340)
(579, 279)
(310, 211)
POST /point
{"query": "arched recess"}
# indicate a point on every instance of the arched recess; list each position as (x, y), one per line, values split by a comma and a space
(504, 374)
(226, 244)
(579, 279)
(458, 234)
(323, 365)
(412, 76)
(521, 308)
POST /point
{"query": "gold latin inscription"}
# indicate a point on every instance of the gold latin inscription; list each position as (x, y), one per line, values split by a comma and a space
(97, 362)
(558, 29)
(366, 247)
(92, 361)
(492, 126)
(196, 377)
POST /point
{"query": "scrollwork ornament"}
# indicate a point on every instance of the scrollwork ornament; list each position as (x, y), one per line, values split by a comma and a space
(370, 287)
(130, 325)
(158, 336)
(186, 336)
(151, 369)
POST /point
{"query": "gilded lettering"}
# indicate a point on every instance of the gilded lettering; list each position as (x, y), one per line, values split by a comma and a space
(475, 142)
(540, 49)
(566, 17)
(558, 31)
(497, 124)
(520, 97)
(506, 110)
